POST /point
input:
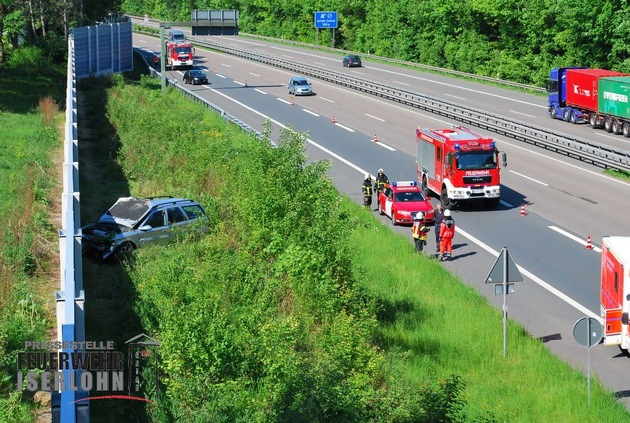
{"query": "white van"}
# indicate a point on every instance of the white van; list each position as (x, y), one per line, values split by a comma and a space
(175, 36)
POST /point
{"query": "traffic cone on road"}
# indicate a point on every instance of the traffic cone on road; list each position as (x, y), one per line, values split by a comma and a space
(291, 97)
(522, 209)
(375, 139)
(333, 120)
(589, 246)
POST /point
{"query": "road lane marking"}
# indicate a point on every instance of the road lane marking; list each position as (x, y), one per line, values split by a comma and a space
(309, 112)
(260, 91)
(465, 234)
(344, 127)
(574, 238)
(401, 83)
(534, 278)
(239, 83)
(385, 146)
(254, 74)
(454, 96)
(531, 179)
(374, 117)
(326, 99)
(522, 114)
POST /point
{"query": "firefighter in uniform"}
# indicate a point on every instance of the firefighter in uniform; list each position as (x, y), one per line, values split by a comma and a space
(419, 231)
(447, 231)
(379, 184)
(367, 191)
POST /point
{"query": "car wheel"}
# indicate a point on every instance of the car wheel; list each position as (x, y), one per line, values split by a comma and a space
(394, 218)
(125, 251)
(425, 188)
(446, 202)
(380, 208)
(552, 112)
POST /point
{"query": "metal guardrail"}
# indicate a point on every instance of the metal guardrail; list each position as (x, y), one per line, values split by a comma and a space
(187, 93)
(581, 149)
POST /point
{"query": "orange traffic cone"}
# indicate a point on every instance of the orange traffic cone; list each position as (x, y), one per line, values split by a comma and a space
(375, 139)
(522, 209)
(291, 97)
(333, 120)
(589, 246)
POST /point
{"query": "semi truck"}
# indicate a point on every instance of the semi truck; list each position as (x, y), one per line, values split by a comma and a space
(615, 291)
(598, 97)
(459, 166)
(179, 55)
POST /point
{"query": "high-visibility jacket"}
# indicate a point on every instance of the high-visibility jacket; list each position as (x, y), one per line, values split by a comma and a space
(419, 231)
(367, 188)
(380, 182)
(447, 228)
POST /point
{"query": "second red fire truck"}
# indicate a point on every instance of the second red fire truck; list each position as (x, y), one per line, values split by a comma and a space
(615, 291)
(459, 165)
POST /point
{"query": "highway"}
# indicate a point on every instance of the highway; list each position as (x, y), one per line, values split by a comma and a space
(565, 200)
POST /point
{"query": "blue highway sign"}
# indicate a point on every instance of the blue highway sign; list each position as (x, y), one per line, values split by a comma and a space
(325, 19)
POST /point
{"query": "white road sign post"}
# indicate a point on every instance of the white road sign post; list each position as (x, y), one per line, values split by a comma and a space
(503, 274)
(587, 331)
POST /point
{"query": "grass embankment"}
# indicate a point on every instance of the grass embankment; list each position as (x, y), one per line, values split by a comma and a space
(286, 312)
(29, 195)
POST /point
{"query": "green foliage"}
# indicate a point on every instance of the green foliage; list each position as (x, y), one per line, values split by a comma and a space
(515, 39)
(25, 151)
(29, 60)
(13, 410)
(261, 319)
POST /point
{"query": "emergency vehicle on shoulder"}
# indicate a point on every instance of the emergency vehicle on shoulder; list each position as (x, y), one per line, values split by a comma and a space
(401, 200)
(615, 291)
(458, 165)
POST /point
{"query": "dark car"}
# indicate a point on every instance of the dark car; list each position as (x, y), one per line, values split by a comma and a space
(195, 77)
(352, 60)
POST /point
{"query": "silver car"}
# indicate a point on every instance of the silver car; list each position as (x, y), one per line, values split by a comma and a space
(298, 85)
(134, 222)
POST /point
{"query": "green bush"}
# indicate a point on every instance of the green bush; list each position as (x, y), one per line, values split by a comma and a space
(29, 59)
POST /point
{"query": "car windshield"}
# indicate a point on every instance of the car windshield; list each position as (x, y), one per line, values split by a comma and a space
(409, 196)
(129, 208)
(197, 73)
(185, 50)
(301, 82)
(477, 160)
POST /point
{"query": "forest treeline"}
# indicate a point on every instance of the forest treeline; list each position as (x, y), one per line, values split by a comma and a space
(518, 40)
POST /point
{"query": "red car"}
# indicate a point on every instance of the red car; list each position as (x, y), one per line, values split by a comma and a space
(402, 200)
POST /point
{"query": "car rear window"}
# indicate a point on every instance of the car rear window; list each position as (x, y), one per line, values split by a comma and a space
(193, 211)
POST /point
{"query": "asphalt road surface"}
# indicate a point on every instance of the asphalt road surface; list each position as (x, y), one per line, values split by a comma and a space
(565, 200)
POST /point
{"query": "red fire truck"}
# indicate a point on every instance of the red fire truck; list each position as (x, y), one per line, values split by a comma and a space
(615, 291)
(458, 165)
(179, 55)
